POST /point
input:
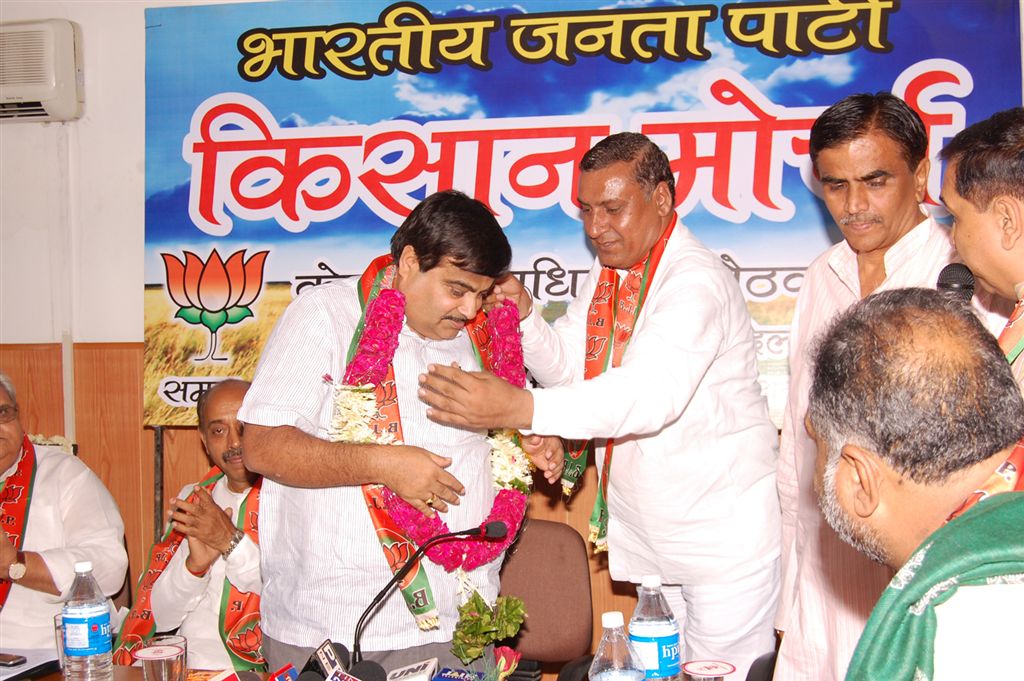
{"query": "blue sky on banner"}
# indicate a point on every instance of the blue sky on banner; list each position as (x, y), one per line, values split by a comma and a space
(192, 55)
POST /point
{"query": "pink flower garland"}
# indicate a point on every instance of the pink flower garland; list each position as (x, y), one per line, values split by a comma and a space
(382, 324)
(376, 349)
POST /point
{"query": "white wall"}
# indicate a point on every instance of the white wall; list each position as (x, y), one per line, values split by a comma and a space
(71, 194)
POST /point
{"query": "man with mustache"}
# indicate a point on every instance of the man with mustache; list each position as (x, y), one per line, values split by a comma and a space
(211, 545)
(920, 466)
(331, 531)
(870, 155)
(654, 361)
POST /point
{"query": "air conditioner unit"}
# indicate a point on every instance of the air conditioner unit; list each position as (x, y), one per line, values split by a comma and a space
(40, 71)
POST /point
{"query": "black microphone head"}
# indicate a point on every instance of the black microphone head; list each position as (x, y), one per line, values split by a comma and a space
(956, 279)
(368, 670)
(310, 675)
(341, 652)
(496, 529)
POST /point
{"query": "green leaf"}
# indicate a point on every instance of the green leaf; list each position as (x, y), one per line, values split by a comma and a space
(480, 625)
(238, 313)
(189, 314)
(213, 320)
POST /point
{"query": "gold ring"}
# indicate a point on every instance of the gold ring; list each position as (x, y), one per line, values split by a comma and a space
(431, 500)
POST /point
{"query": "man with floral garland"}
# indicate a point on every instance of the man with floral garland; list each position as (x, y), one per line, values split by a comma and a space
(655, 361)
(338, 507)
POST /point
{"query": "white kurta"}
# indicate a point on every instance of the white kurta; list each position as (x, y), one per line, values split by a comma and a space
(193, 603)
(321, 561)
(829, 588)
(72, 518)
(692, 494)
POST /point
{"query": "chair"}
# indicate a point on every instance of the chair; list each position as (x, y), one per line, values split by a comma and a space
(548, 568)
(763, 668)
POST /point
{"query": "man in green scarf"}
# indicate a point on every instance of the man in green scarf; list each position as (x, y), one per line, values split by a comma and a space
(919, 427)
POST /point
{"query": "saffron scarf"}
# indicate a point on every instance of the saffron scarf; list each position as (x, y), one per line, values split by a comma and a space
(239, 612)
(614, 309)
(15, 497)
(394, 540)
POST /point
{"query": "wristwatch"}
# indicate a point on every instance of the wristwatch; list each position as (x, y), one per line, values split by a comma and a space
(236, 538)
(17, 569)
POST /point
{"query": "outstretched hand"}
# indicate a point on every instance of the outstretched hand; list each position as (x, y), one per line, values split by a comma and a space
(419, 477)
(474, 399)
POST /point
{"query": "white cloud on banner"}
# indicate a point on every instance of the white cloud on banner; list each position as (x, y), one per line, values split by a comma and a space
(432, 103)
(678, 93)
(833, 69)
(297, 121)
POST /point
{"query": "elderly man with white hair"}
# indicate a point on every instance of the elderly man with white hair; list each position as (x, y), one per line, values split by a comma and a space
(54, 512)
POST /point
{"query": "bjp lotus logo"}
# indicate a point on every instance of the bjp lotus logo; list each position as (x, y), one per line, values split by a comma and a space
(214, 293)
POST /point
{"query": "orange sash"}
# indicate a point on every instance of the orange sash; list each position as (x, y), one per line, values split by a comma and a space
(614, 310)
(15, 497)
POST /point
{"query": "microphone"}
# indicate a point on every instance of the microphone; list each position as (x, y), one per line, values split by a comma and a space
(328, 658)
(957, 281)
(495, 529)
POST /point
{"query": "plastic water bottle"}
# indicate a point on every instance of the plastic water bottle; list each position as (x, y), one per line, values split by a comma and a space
(615, 659)
(86, 617)
(654, 632)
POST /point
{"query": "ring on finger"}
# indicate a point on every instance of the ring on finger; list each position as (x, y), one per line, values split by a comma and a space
(432, 500)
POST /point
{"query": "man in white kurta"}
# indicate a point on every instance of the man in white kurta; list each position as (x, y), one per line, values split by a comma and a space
(869, 153)
(691, 495)
(71, 518)
(188, 595)
(322, 563)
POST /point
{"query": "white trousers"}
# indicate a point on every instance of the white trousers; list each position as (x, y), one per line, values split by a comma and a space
(731, 622)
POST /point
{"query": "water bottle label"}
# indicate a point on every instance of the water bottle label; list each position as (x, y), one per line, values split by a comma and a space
(86, 630)
(659, 654)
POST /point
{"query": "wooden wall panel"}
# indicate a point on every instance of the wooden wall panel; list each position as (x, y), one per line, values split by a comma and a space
(108, 418)
(112, 440)
(36, 371)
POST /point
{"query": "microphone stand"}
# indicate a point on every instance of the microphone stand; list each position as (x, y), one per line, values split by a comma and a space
(488, 531)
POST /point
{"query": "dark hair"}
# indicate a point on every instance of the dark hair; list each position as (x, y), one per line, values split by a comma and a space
(451, 225)
(989, 158)
(207, 395)
(650, 164)
(858, 115)
(913, 376)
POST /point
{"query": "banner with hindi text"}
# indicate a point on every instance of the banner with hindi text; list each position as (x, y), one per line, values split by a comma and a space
(285, 141)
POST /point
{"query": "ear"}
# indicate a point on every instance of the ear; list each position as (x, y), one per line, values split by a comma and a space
(921, 178)
(663, 199)
(408, 263)
(859, 478)
(1009, 214)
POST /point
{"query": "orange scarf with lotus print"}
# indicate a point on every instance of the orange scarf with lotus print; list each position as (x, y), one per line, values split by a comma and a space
(614, 309)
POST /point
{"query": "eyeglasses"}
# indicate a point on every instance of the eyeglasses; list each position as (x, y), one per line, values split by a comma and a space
(8, 412)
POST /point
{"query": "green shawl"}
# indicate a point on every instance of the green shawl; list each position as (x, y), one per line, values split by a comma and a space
(982, 546)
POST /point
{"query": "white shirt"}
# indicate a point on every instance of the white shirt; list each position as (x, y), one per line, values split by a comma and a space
(977, 632)
(692, 493)
(71, 518)
(193, 603)
(321, 561)
(828, 587)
